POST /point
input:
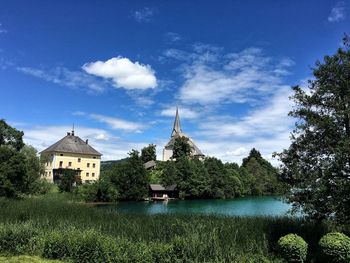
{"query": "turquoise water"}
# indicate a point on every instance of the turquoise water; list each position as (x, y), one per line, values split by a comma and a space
(246, 206)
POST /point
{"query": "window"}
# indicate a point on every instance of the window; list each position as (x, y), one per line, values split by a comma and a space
(93, 174)
(61, 164)
(93, 165)
(45, 173)
(94, 157)
(49, 173)
(79, 160)
(70, 164)
(87, 174)
(61, 154)
(88, 165)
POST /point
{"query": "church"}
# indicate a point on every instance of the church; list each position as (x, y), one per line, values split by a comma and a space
(177, 132)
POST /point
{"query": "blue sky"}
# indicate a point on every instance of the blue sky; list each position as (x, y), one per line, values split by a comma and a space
(117, 70)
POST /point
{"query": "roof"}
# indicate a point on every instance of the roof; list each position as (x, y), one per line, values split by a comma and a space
(177, 132)
(159, 187)
(177, 125)
(72, 144)
(149, 164)
(171, 142)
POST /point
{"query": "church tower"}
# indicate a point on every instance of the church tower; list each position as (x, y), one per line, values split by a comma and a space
(177, 132)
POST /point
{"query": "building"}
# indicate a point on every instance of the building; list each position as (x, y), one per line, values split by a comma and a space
(71, 152)
(150, 165)
(177, 132)
(160, 192)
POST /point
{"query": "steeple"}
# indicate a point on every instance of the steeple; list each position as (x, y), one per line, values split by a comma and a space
(177, 125)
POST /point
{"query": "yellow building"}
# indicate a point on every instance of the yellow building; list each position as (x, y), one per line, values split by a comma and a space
(71, 152)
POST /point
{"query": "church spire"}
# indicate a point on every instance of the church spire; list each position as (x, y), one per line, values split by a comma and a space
(177, 125)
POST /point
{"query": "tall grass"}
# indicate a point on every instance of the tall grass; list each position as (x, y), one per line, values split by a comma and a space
(192, 238)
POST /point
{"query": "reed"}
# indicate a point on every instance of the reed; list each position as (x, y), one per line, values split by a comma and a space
(189, 238)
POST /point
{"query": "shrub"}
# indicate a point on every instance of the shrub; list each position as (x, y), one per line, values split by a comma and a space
(18, 239)
(56, 245)
(292, 248)
(335, 247)
(100, 191)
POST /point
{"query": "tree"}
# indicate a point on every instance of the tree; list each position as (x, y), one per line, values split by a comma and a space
(199, 182)
(254, 153)
(317, 163)
(148, 153)
(10, 136)
(68, 179)
(130, 178)
(12, 172)
(34, 170)
(170, 174)
(217, 175)
(264, 178)
(181, 147)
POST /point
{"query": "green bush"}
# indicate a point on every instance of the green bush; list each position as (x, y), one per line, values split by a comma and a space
(100, 191)
(57, 245)
(335, 247)
(293, 248)
(41, 186)
(18, 239)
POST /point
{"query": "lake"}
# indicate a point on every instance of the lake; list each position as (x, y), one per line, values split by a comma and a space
(245, 206)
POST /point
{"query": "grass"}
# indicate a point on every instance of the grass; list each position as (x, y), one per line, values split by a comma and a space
(26, 259)
(205, 238)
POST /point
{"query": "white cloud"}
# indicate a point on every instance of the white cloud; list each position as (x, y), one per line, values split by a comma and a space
(67, 78)
(266, 128)
(212, 77)
(103, 141)
(123, 73)
(186, 113)
(268, 120)
(338, 12)
(118, 124)
(144, 15)
(235, 150)
(78, 113)
(172, 37)
(2, 29)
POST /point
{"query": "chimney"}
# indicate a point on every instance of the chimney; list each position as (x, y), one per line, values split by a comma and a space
(87, 141)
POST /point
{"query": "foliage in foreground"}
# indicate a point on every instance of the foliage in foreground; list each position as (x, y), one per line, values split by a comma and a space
(53, 220)
(317, 163)
(293, 248)
(335, 247)
(26, 259)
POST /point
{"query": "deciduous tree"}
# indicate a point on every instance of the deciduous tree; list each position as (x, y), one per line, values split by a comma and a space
(317, 163)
